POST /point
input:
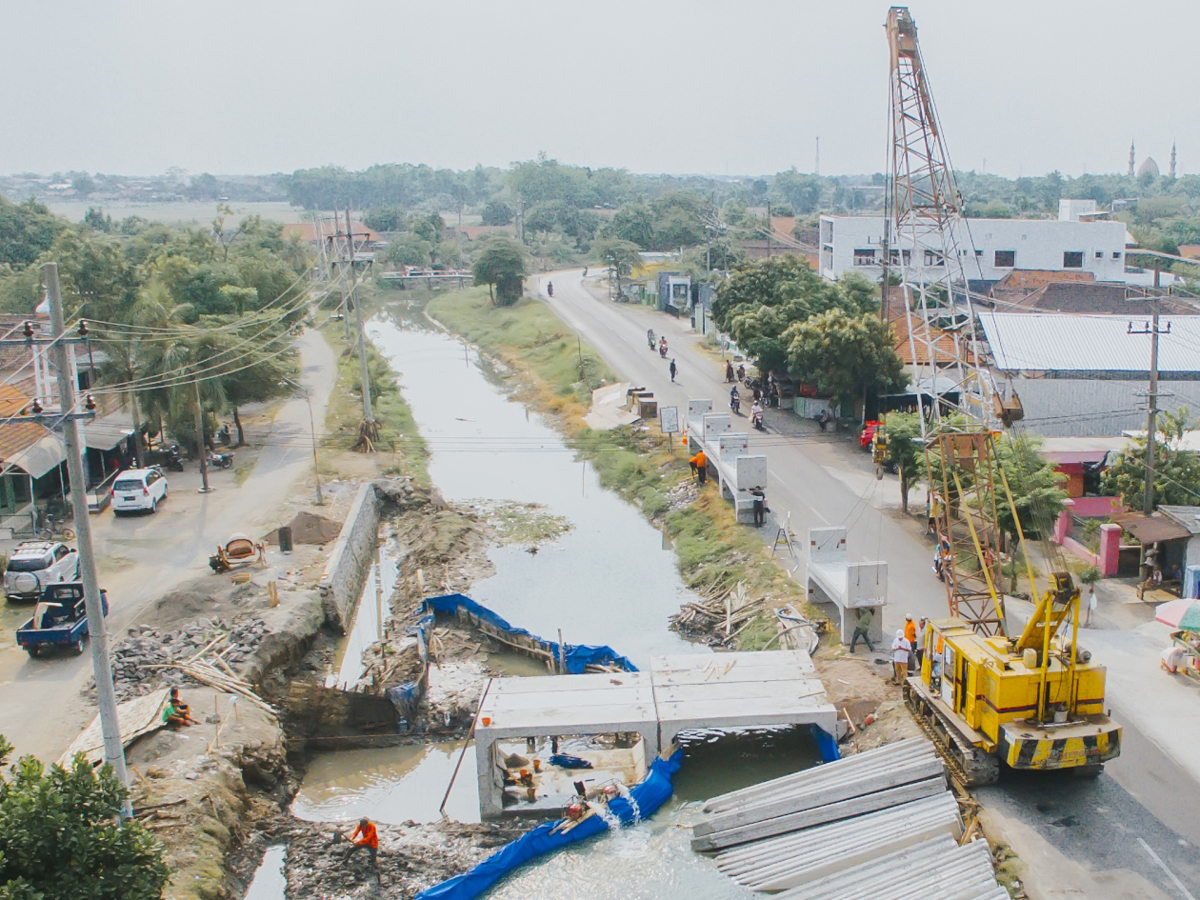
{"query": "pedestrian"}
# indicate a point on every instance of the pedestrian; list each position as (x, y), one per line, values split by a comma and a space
(700, 467)
(364, 835)
(862, 625)
(900, 650)
(672, 370)
(823, 419)
(585, 271)
(910, 635)
(728, 371)
(760, 504)
(931, 511)
(1091, 606)
(919, 647)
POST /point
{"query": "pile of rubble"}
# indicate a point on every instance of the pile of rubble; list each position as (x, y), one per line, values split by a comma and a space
(141, 662)
(683, 495)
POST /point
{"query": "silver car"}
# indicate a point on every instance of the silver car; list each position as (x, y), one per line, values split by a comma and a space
(36, 564)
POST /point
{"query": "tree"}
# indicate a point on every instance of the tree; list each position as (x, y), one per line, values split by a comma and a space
(386, 218)
(904, 452)
(500, 264)
(64, 836)
(803, 192)
(1035, 486)
(1176, 472)
(845, 356)
(497, 212)
(620, 257)
(26, 231)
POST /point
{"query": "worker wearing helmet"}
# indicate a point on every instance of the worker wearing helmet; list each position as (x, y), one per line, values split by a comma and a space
(901, 647)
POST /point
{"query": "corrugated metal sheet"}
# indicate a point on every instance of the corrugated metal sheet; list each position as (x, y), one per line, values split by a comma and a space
(1033, 342)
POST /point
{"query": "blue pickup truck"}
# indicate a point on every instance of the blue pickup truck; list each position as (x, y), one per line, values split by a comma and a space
(60, 619)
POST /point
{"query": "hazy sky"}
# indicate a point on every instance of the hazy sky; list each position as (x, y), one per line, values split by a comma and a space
(653, 86)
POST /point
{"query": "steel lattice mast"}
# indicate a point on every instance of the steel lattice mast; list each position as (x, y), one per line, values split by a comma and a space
(931, 248)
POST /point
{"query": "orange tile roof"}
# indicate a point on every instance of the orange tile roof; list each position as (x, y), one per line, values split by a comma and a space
(16, 437)
(943, 349)
(1032, 279)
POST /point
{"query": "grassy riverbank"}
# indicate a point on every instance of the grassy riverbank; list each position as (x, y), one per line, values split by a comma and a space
(401, 449)
(557, 373)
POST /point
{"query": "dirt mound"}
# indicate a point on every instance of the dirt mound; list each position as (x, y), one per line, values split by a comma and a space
(308, 528)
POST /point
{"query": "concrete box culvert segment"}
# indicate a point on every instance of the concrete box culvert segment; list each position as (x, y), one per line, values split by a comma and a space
(346, 571)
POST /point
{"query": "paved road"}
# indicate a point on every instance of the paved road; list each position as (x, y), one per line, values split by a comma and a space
(1134, 831)
(143, 557)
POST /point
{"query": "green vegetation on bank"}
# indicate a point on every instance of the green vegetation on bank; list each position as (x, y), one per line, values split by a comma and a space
(713, 550)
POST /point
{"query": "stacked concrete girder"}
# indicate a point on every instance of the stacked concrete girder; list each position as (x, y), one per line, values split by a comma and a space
(881, 778)
(938, 868)
(880, 823)
(804, 856)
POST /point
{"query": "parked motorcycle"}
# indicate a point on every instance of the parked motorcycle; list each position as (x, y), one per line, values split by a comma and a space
(222, 460)
(224, 436)
(168, 456)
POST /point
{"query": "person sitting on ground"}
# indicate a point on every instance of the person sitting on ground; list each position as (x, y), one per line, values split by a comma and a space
(364, 835)
(179, 704)
(176, 717)
(823, 419)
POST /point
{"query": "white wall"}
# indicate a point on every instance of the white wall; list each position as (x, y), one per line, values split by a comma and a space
(1035, 243)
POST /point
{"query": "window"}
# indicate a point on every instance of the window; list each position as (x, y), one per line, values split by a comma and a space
(933, 258)
(1072, 259)
(61, 552)
(979, 254)
(864, 257)
(896, 257)
(1116, 254)
(1005, 259)
(1099, 254)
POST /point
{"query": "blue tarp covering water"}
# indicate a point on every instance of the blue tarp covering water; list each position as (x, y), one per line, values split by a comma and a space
(649, 795)
(576, 656)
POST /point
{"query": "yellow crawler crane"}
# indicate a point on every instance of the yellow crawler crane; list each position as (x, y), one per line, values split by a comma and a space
(1033, 702)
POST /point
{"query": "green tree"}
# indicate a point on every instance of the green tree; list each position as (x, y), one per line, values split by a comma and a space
(63, 836)
(1176, 472)
(803, 192)
(500, 264)
(905, 453)
(386, 218)
(845, 356)
(497, 212)
(1035, 486)
(27, 231)
(620, 257)
(634, 222)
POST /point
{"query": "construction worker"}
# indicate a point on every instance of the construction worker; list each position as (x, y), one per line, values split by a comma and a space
(919, 646)
(900, 650)
(910, 635)
(364, 835)
(862, 624)
(699, 464)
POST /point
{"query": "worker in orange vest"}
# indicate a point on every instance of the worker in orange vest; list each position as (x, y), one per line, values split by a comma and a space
(699, 464)
(365, 835)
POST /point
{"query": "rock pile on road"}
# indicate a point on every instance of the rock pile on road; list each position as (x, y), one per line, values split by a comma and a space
(136, 659)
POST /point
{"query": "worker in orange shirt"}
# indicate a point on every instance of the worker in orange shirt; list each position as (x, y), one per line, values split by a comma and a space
(365, 835)
(910, 634)
(699, 464)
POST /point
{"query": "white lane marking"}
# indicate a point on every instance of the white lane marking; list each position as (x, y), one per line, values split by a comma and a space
(1162, 865)
(816, 512)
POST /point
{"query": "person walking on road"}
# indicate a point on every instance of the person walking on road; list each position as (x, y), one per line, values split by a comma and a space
(900, 650)
(700, 467)
(673, 370)
(1091, 605)
(862, 624)
(728, 371)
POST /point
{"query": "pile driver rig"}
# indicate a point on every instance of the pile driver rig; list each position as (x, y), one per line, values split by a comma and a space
(1032, 701)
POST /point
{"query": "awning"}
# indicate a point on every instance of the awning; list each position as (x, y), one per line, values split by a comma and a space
(104, 435)
(1075, 457)
(1151, 529)
(39, 458)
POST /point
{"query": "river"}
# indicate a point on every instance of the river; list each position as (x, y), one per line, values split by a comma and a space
(607, 581)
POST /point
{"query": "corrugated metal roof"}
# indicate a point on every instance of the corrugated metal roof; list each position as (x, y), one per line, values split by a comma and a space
(1033, 342)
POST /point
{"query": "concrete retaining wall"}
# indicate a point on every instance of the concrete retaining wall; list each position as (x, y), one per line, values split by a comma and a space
(342, 581)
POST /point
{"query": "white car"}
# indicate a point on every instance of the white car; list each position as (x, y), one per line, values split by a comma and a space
(139, 489)
(36, 564)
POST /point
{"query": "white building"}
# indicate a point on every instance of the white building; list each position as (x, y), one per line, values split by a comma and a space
(855, 244)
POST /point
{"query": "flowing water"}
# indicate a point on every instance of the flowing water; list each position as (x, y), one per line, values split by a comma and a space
(369, 617)
(611, 580)
(270, 880)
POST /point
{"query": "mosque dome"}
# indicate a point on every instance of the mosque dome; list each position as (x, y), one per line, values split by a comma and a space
(1148, 166)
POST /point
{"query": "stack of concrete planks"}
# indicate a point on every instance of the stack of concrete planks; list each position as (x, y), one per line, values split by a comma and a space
(878, 779)
(935, 869)
(865, 826)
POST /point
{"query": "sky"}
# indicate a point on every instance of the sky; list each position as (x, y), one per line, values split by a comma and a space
(679, 86)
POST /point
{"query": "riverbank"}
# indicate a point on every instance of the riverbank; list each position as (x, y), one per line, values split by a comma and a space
(555, 373)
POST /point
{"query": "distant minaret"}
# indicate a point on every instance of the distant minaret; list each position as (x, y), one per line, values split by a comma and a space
(1172, 170)
(1131, 159)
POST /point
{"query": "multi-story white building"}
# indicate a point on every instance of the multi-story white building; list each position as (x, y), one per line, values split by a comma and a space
(991, 248)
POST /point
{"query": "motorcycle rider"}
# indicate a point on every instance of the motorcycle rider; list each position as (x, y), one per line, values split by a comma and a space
(650, 337)
(662, 347)
(756, 415)
(735, 400)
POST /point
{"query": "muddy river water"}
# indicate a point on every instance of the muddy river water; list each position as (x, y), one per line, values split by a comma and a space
(607, 581)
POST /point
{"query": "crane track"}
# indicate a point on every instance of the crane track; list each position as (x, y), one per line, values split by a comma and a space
(968, 764)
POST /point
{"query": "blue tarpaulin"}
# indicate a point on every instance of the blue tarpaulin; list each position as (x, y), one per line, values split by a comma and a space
(649, 795)
(576, 656)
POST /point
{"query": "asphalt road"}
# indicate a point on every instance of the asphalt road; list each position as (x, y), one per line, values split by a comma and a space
(1132, 832)
(142, 557)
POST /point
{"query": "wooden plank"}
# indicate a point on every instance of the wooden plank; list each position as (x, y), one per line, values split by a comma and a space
(141, 715)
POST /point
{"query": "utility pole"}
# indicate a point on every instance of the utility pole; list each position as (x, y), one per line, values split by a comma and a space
(458, 236)
(368, 417)
(312, 424)
(1151, 397)
(817, 164)
(106, 699)
(200, 448)
(770, 228)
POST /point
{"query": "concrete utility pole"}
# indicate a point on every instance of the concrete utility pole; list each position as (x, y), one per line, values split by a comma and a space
(1151, 397)
(770, 228)
(106, 699)
(362, 341)
(200, 448)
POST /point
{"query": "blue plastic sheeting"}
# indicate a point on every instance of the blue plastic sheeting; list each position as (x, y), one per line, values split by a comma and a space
(576, 656)
(826, 743)
(406, 698)
(649, 795)
(569, 762)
